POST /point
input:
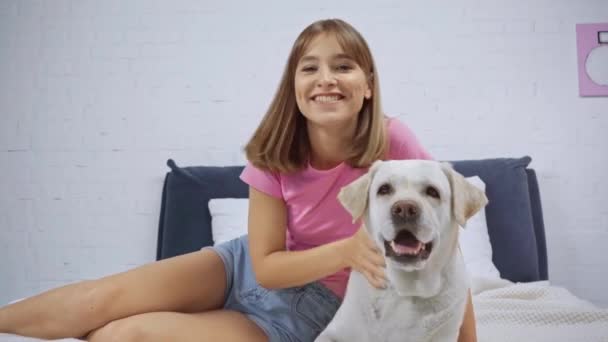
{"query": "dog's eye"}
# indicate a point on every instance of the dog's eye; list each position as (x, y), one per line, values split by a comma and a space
(385, 189)
(431, 191)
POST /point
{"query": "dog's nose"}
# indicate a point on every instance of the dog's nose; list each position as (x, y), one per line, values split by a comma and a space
(405, 211)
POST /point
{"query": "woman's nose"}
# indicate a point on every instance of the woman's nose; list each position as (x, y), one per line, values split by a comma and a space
(326, 77)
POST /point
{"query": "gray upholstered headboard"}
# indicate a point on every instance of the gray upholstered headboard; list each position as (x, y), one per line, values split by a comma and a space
(514, 213)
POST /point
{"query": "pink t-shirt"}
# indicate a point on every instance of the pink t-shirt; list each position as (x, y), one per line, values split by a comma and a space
(314, 214)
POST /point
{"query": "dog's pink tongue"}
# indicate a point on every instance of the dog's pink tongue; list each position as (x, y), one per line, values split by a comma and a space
(406, 242)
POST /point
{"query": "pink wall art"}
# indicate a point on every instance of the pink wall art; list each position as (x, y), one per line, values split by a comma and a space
(592, 46)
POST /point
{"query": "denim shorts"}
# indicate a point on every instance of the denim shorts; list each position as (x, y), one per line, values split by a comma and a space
(296, 314)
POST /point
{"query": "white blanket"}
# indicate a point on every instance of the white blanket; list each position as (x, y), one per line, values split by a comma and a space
(521, 312)
(536, 312)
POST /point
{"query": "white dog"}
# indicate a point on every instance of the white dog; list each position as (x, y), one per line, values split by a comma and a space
(411, 209)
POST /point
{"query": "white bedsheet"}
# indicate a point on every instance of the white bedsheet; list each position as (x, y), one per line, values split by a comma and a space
(519, 312)
(536, 312)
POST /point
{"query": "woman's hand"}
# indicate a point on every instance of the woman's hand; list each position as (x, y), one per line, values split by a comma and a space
(361, 254)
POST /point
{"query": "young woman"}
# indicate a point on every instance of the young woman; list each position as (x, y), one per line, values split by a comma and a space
(285, 279)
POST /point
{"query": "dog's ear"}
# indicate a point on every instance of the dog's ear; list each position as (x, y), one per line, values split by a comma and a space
(467, 199)
(353, 197)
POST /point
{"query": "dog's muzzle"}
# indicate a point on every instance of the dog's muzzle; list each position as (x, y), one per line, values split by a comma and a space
(406, 247)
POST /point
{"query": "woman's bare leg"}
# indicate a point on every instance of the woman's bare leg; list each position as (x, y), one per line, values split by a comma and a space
(216, 325)
(193, 282)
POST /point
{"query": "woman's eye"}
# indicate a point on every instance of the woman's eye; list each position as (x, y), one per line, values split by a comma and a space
(385, 189)
(344, 67)
(309, 68)
(433, 192)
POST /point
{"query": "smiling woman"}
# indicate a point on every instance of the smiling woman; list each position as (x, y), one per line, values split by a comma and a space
(330, 86)
(330, 89)
(285, 279)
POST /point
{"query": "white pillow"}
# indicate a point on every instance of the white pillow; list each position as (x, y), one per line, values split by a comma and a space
(228, 218)
(229, 221)
(475, 241)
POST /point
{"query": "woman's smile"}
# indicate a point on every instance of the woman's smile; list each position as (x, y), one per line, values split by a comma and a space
(328, 81)
(327, 98)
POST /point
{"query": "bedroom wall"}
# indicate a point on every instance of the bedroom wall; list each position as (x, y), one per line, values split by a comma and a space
(96, 96)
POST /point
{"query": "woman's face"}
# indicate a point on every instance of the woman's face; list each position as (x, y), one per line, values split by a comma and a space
(330, 86)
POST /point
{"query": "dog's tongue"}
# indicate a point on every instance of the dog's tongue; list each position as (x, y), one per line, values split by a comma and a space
(406, 242)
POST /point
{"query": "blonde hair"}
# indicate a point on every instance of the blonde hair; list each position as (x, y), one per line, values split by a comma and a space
(280, 143)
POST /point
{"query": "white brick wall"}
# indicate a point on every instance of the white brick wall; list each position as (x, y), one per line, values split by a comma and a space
(96, 95)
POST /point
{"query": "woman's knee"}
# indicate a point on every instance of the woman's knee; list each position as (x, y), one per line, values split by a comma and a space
(94, 301)
(126, 329)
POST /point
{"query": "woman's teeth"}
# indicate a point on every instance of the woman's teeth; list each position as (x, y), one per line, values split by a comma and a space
(326, 99)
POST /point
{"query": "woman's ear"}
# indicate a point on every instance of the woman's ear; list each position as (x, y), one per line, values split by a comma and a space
(370, 86)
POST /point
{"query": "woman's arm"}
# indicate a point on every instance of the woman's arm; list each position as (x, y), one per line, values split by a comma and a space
(468, 329)
(275, 267)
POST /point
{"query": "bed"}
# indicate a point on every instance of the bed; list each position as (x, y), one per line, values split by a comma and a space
(515, 303)
(519, 303)
(514, 213)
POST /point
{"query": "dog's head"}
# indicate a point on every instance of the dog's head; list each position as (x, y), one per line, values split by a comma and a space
(412, 209)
